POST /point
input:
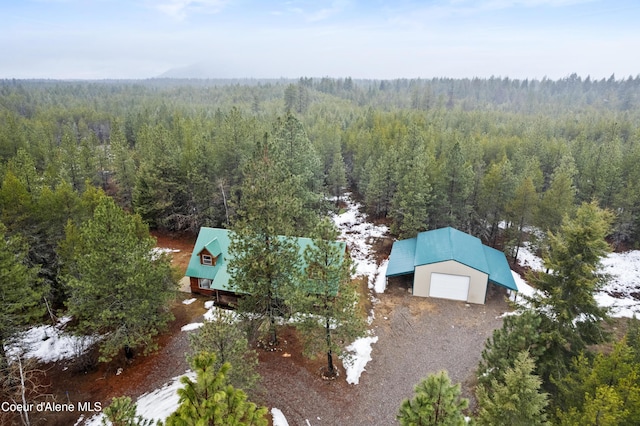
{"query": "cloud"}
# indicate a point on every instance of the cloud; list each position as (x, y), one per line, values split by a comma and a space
(181, 9)
(327, 12)
(307, 10)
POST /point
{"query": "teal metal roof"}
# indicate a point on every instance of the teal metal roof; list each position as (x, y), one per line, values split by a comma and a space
(217, 241)
(440, 245)
(403, 254)
(499, 270)
(213, 247)
(444, 244)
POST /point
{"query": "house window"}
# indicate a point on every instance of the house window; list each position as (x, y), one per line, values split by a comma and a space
(207, 260)
(204, 282)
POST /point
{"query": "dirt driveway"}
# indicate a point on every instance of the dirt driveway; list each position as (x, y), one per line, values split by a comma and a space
(417, 336)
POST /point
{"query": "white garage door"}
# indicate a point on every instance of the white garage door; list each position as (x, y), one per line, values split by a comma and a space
(447, 286)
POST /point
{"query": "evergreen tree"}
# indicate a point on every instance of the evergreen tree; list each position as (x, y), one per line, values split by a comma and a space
(337, 176)
(516, 400)
(380, 184)
(602, 409)
(411, 203)
(454, 189)
(223, 336)
(295, 154)
(20, 291)
(618, 371)
(330, 303)
(24, 168)
(122, 412)
(265, 260)
(124, 165)
(519, 333)
(436, 402)
(521, 209)
(210, 400)
(571, 317)
(496, 192)
(117, 285)
(558, 200)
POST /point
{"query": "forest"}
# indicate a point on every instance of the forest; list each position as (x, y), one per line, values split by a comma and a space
(496, 158)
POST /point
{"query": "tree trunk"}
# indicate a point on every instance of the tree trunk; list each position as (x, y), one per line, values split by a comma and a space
(330, 368)
(4, 363)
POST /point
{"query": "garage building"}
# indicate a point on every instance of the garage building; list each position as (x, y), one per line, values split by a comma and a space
(450, 264)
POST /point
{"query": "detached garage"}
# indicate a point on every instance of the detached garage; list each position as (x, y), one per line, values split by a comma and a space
(450, 264)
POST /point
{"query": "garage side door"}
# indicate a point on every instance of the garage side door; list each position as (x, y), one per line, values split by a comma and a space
(446, 286)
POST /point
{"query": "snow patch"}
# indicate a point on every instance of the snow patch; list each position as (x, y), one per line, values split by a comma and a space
(621, 292)
(189, 301)
(155, 405)
(356, 362)
(380, 282)
(192, 326)
(528, 258)
(360, 236)
(49, 343)
(278, 417)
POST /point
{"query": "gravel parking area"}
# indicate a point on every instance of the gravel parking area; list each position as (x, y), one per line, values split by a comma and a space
(417, 336)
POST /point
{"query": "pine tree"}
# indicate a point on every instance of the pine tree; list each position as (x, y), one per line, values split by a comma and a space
(518, 333)
(496, 192)
(604, 408)
(122, 412)
(117, 286)
(264, 258)
(558, 200)
(223, 336)
(411, 203)
(124, 165)
(210, 400)
(337, 176)
(522, 208)
(516, 399)
(436, 402)
(618, 370)
(381, 184)
(20, 291)
(291, 148)
(571, 317)
(454, 189)
(330, 303)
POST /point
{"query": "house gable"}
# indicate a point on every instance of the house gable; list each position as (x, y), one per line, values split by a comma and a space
(477, 279)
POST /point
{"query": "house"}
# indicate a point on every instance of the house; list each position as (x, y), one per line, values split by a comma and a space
(207, 270)
(450, 264)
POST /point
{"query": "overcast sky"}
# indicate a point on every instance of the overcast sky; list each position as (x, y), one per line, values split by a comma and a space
(380, 39)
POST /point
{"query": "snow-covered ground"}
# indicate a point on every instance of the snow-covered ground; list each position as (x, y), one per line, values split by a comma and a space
(361, 355)
(50, 343)
(359, 234)
(155, 405)
(621, 293)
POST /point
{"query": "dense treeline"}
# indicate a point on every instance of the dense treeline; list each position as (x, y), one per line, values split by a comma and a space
(488, 156)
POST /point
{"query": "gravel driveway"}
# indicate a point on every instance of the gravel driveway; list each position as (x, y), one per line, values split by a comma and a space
(417, 336)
